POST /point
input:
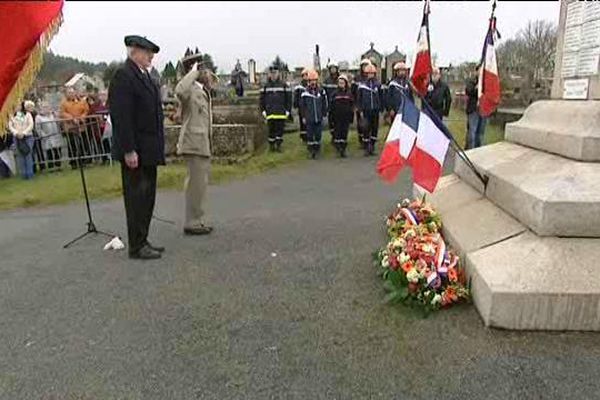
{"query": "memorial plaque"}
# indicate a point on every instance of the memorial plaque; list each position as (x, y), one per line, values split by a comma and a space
(592, 11)
(575, 13)
(569, 67)
(575, 89)
(581, 44)
(588, 62)
(590, 34)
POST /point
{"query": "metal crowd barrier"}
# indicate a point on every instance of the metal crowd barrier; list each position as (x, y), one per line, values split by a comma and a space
(59, 142)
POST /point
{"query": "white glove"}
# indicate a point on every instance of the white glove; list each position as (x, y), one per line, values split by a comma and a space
(115, 244)
(264, 114)
(287, 113)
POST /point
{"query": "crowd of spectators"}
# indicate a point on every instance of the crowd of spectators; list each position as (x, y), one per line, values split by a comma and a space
(40, 138)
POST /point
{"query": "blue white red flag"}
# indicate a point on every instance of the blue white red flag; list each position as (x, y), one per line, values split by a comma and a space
(489, 81)
(416, 139)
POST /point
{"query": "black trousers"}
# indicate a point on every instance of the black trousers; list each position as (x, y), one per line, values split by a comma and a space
(276, 127)
(139, 193)
(341, 132)
(372, 118)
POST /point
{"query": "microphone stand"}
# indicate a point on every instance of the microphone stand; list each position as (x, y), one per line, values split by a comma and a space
(91, 226)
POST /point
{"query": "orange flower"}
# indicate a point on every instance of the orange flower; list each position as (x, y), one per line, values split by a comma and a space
(452, 275)
(449, 296)
(407, 266)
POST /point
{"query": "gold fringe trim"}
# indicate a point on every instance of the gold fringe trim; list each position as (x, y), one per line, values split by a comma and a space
(28, 74)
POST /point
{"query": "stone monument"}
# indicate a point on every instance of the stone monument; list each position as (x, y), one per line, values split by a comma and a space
(531, 240)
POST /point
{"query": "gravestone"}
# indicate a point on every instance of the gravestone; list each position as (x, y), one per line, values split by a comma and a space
(530, 240)
(252, 71)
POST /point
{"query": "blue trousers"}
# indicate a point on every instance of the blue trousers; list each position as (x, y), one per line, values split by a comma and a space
(25, 161)
(314, 131)
(476, 130)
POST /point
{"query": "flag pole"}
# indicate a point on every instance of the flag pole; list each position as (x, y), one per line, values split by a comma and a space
(459, 150)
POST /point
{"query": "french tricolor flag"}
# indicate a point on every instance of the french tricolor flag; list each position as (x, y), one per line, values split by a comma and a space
(418, 140)
(421, 70)
(489, 81)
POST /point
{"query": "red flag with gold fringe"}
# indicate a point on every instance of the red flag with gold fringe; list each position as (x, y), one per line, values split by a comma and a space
(26, 28)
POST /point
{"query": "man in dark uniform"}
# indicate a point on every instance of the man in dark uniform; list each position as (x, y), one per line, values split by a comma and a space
(438, 95)
(298, 90)
(276, 105)
(397, 89)
(330, 85)
(138, 140)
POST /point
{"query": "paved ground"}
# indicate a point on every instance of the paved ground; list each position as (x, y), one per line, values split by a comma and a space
(221, 318)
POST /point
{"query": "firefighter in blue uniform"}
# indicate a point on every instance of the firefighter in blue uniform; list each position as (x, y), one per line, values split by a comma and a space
(298, 90)
(398, 86)
(330, 86)
(369, 104)
(276, 105)
(313, 109)
(354, 90)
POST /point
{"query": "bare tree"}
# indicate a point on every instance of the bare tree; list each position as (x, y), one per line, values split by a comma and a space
(538, 39)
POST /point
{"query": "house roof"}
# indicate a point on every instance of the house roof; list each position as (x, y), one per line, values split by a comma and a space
(77, 77)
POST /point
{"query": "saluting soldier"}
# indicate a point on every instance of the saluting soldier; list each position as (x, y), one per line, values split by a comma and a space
(138, 140)
(193, 93)
(276, 105)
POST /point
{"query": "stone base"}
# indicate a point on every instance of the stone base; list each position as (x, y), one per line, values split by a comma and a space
(519, 280)
(551, 195)
(565, 127)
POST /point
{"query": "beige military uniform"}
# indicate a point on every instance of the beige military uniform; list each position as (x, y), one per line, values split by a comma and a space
(194, 144)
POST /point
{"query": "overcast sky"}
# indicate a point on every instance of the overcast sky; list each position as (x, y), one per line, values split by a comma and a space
(230, 30)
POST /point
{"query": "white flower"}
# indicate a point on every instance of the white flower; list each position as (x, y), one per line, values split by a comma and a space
(436, 299)
(399, 243)
(413, 276)
(428, 248)
(385, 262)
(403, 258)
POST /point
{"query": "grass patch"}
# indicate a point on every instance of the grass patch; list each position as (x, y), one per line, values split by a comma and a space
(104, 182)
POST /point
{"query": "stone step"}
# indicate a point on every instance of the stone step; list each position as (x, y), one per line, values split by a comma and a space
(545, 126)
(519, 280)
(551, 195)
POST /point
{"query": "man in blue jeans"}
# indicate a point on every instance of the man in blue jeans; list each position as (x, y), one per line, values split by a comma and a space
(475, 122)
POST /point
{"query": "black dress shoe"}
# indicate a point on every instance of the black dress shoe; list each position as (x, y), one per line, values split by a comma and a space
(201, 230)
(145, 253)
(159, 249)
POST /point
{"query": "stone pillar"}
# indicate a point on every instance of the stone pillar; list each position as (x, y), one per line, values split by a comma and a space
(577, 52)
(252, 71)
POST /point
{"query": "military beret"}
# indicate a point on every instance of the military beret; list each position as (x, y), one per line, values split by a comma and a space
(142, 42)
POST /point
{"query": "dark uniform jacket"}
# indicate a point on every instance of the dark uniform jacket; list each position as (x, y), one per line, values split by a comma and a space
(314, 105)
(276, 99)
(395, 89)
(440, 98)
(342, 106)
(136, 116)
(330, 85)
(298, 90)
(369, 96)
(472, 95)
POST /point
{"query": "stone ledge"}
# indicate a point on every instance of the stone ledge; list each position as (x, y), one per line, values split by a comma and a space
(551, 195)
(470, 221)
(519, 280)
(534, 283)
(545, 127)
